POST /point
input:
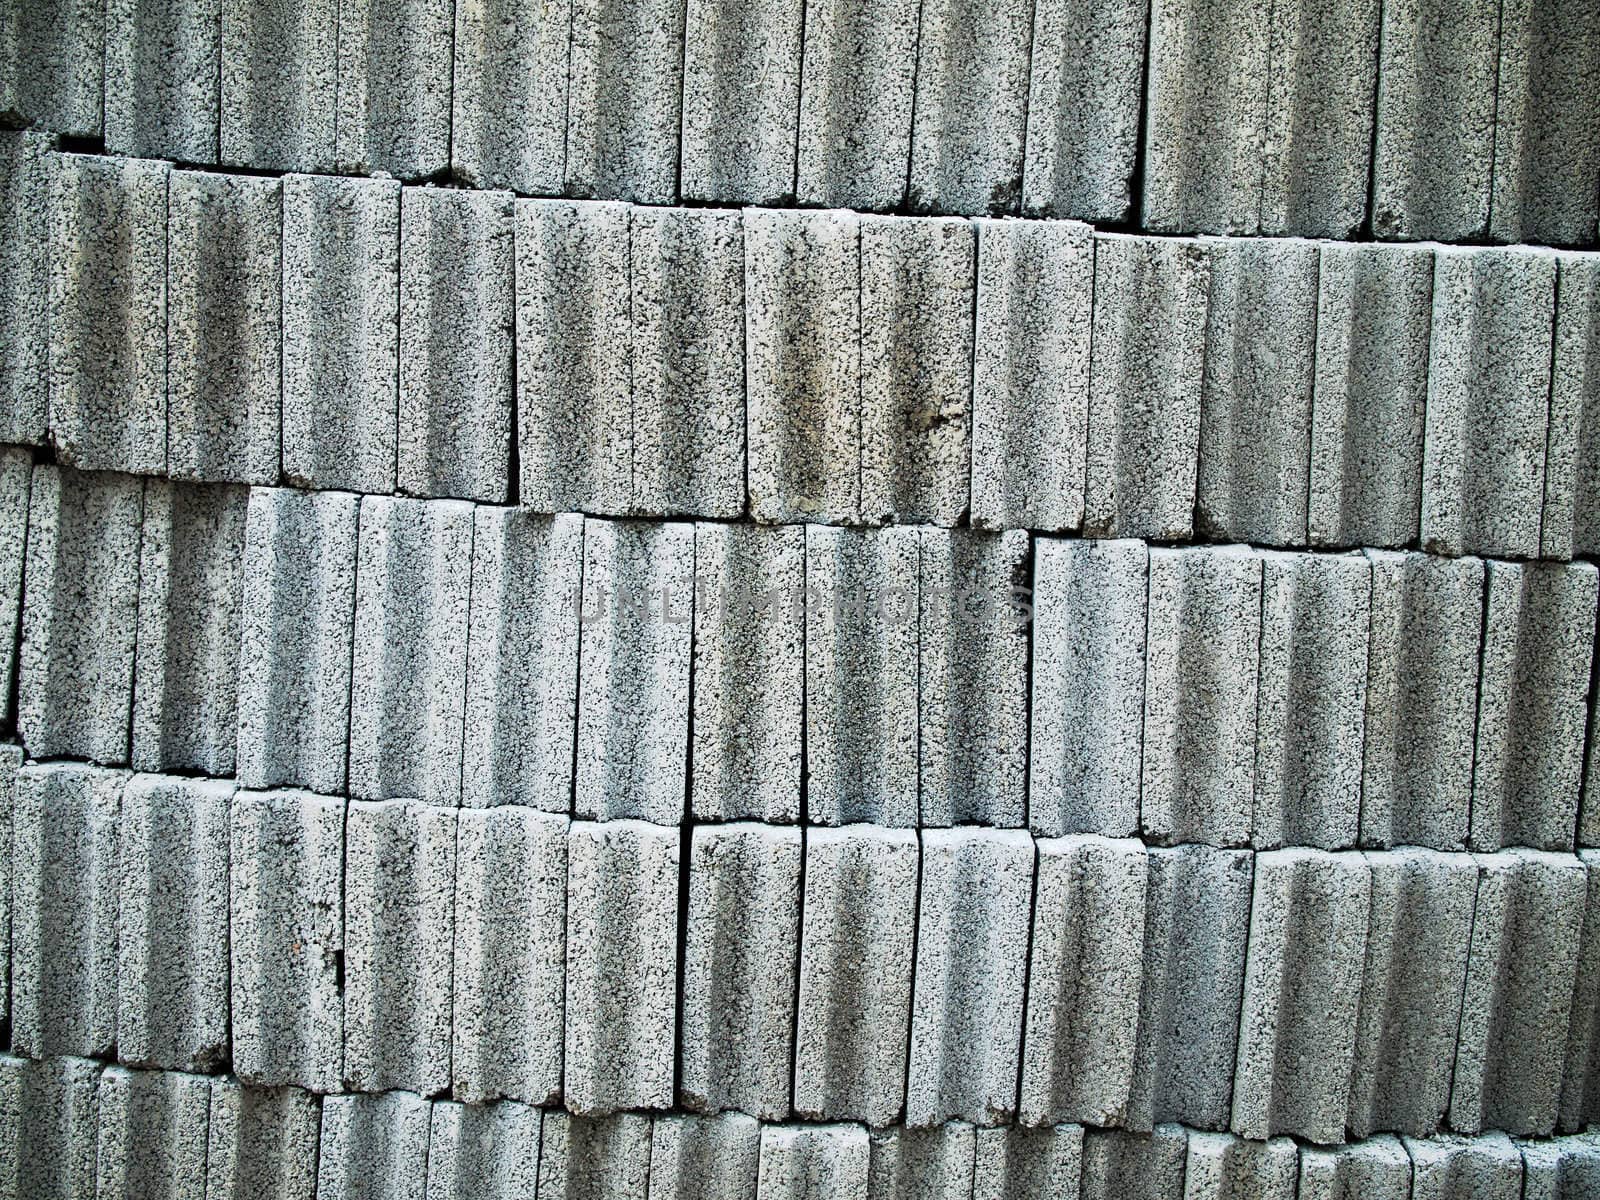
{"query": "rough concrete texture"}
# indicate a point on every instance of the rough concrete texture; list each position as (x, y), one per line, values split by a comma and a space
(861, 650)
(743, 58)
(1483, 458)
(1571, 522)
(1517, 1005)
(1374, 317)
(456, 333)
(1149, 1165)
(408, 671)
(224, 327)
(108, 313)
(394, 60)
(704, 1158)
(1016, 1163)
(857, 85)
(1433, 145)
(521, 707)
(574, 373)
(483, 1152)
(53, 69)
(26, 164)
(48, 1116)
(162, 78)
(16, 485)
(907, 1164)
(633, 706)
(802, 286)
(153, 1135)
(1200, 694)
(1422, 693)
(1377, 1169)
(687, 313)
(263, 1143)
(1253, 474)
(1458, 1168)
(10, 762)
(1580, 1080)
(1418, 934)
(1085, 975)
(583, 1158)
(295, 638)
(280, 65)
(286, 938)
(814, 1162)
(374, 1146)
(1144, 386)
(1030, 373)
(341, 358)
(857, 945)
(510, 954)
(172, 940)
(1090, 600)
(1589, 808)
(1554, 1170)
(191, 587)
(1538, 644)
(508, 88)
(79, 613)
(622, 951)
(399, 918)
(64, 863)
(1219, 1167)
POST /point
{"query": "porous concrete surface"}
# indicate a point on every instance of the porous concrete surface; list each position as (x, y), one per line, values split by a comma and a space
(16, 485)
(163, 78)
(704, 1158)
(374, 1146)
(392, 87)
(26, 164)
(263, 1143)
(49, 1112)
(1016, 1162)
(508, 90)
(10, 762)
(1150, 1165)
(153, 1135)
(1561, 1167)
(280, 63)
(1219, 1167)
(53, 70)
(1376, 1169)
(905, 1163)
(477, 1152)
(810, 1162)
(587, 1158)
(1571, 522)
(1457, 1168)
(1580, 1080)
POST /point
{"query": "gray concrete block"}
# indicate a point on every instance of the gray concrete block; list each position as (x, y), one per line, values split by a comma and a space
(740, 955)
(704, 1158)
(1418, 935)
(1571, 523)
(1085, 976)
(923, 1164)
(1488, 401)
(584, 1158)
(861, 651)
(224, 326)
(483, 1152)
(408, 672)
(1376, 1169)
(53, 68)
(1517, 1005)
(1222, 1167)
(26, 164)
(1149, 1165)
(1589, 809)
(1253, 476)
(1145, 376)
(153, 1135)
(622, 954)
(295, 638)
(917, 280)
(814, 1162)
(1538, 647)
(280, 65)
(108, 313)
(394, 62)
(48, 1116)
(1580, 1078)
(1015, 1163)
(857, 944)
(857, 89)
(508, 986)
(1030, 373)
(522, 708)
(263, 1143)
(286, 938)
(64, 866)
(10, 763)
(686, 270)
(457, 299)
(802, 284)
(172, 919)
(16, 485)
(1374, 316)
(1200, 695)
(163, 78)
(191, 588)
(1564, 1169)
(1461, 1168)
(374, 1146)
(399, 919)
(508, 90)
(1090, 600)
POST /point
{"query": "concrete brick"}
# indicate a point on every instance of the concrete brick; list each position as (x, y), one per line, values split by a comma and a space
(1220, 1167)
(510, 954)
(521, 707)
(811, 1162)
(917, 280)
(172, 940)
(280, 65)
(1458, 1168)
(1589, 810)
(10, 763)
(508, 87)
(1030, 373)
(394, 61)
(224, 326)
(857, 85)
(802, 285)
(153, 1135)
(108, 313)
(1376, 1169)
(857, 943)
(1580, 1079)
(1488, 401)
(687, 311)
(295, 638)
(1418, 935)
(191, 587)
(1565, 1167)
(704, 1158)
(64, 864)
(583, 1158)
(1374, 316)
(483, 1152)
(622, 953)
(1422, 693)
(1571, 522)
(54, 66)
(163, 79)
(1015, 1163)
(457, 299)
(1538, 643)
(1145, 379)
(286, 938)
(374, 1146)
(1085, 976)
(1200, 694)
(1090, 600)
(1150, 1165)
(16, 484)
(263, 1143)
(923, 1164)
(740, 955)
(26, 163)
(48, 1116)
(1302, 994)
(399, 918)
(861, 652)
(1253, 475)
